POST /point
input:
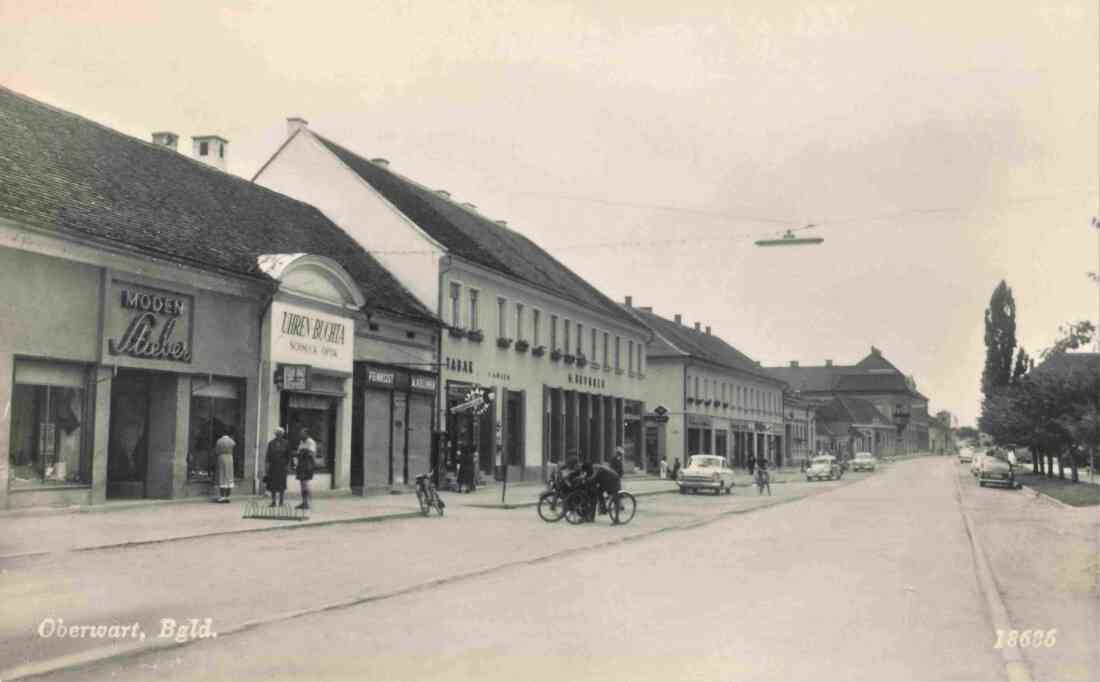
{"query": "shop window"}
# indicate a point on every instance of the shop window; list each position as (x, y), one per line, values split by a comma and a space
(216, 409)
(48, 426)
(473, 310)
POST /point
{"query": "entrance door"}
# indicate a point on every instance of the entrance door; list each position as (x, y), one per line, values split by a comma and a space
(652, 451)
(128, 439)
(515, 435)
(377, 424)
(420, 434)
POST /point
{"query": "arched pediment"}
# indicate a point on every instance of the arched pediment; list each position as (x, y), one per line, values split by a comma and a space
(315, 277)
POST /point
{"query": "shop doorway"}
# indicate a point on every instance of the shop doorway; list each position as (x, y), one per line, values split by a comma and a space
(128, 438)
(514, 434)
(317, 414)
(720, 443)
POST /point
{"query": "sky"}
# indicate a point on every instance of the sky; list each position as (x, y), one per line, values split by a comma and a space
(938, 147)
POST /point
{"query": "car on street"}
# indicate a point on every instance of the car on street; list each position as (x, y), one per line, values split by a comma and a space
(706, 472)
(965, 456)
(976, 463)
(864, 461)
(996, 470)
(823, 467)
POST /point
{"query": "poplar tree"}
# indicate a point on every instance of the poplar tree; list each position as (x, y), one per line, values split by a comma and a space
(1000, 340)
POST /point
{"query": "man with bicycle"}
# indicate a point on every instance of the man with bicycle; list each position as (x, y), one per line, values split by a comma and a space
(603, 483)
(760, 475)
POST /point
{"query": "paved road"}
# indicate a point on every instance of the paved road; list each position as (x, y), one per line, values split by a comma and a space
(873, 580)
(1047, 568)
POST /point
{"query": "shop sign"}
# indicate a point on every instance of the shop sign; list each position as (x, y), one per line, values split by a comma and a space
(423, 383)
(292, 377)
(458, 365)
(301, 335)
(694, 420)
(585, 380)
(147, 323)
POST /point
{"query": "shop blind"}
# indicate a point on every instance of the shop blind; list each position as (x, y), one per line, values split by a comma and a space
(46, 373)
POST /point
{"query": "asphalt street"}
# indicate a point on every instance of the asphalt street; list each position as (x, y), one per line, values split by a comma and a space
(872, 580)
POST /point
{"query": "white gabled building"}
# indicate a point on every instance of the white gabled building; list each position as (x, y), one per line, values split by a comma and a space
(565, 365)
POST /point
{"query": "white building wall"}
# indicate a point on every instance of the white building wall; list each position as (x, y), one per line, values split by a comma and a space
(309, 172)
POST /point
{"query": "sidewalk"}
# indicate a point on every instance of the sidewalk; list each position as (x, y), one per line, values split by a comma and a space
(49, 531)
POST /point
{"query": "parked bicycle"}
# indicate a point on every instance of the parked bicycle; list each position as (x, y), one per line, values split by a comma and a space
(427, 495)
(762, 480)
(581, 505)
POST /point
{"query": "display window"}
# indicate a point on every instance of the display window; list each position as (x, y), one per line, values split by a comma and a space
(216, 409)
(317, 414)
(49, 432)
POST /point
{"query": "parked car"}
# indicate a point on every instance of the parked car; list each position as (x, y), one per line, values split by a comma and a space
(823, 467)
(706, 472)
(996, 470)
(965, 456)
(864, 461)
(976, 463)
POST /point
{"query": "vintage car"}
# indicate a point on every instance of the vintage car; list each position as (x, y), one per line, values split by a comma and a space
(823, 467)
(706, 472)
(976, 462)
(863, 461)
(996, 470)
(965, 455)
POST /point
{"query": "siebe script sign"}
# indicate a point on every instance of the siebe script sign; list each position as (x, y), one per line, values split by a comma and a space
(145, 323)
(304, 336)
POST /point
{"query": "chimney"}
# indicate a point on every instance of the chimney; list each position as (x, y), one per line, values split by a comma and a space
(166, 139)
(697, 325)
(708, 330)
(210, 149)
(294, 124)
(828, 363)
(646, 308)
(629, 300)
(679, 320)
(794, 363)
(443, 193)
(385, 163)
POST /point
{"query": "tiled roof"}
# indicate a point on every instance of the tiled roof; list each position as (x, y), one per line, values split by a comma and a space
(872, 374)
(675, 339)
(475, 237)
(63, 172)
(854, 410)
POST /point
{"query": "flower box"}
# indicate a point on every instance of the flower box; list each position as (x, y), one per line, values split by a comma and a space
(555, 355)
(581, 360)
(538, 351)
(569, 359)
(691, 401)
(503, 342)
(619, 372)
(456, 332)
(522, 345)
(708, 402)
(725, 405)
(475, 335)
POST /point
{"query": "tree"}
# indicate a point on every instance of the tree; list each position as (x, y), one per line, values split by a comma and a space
(1000, 340)
(1073, 335)
(1023, 365)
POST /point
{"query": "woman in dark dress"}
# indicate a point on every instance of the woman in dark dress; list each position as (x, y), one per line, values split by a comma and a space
(278, 456)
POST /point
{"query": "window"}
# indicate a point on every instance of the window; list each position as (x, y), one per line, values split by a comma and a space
(606, 349)
(536, 323)
(594, 335)
(502, 321)
(696, 391)
(48, 438)
(215, 412)
(641, 358)
(723, 391)
(618, 354)
(580, 339)
(473, 309)
(456, 300)
(204, 148)
(221, 150)
(519, 321)
(553, 332)
(630, 355)
(565, 346)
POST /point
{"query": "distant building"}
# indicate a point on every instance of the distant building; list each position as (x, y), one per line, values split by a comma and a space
(856, 425)
(873, 379)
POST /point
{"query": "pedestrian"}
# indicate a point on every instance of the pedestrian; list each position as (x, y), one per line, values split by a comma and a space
(675, 469)
(470, 467)
(460, 468)
(307, 449)
(223, 450)
(617, 461)
(751, 464)
(664, 467)
(278, 455)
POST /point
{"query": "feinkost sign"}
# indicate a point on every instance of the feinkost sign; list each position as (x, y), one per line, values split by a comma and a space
(303, 336)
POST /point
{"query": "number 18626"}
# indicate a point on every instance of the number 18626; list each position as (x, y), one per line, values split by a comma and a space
(1026, 638)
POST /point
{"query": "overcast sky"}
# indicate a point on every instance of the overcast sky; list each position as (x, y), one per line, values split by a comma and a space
(939, 146)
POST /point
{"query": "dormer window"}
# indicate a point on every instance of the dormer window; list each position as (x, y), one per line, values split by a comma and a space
(204, 148)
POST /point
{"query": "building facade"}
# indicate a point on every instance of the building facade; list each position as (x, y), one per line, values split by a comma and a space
(799, 429)
(556, 368)
(708, 397)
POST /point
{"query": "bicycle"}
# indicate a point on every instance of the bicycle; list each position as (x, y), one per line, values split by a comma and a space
(581, 505)
(427, 496)
(762, 480)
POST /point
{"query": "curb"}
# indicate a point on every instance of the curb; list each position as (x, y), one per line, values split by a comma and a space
(198, 536)
(1016, 668)
(94, 656)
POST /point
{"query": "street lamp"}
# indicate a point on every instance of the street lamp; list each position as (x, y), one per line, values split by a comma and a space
(789, 239)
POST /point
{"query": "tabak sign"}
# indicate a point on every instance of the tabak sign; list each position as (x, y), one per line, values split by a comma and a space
(148, 324)
(305, 336)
